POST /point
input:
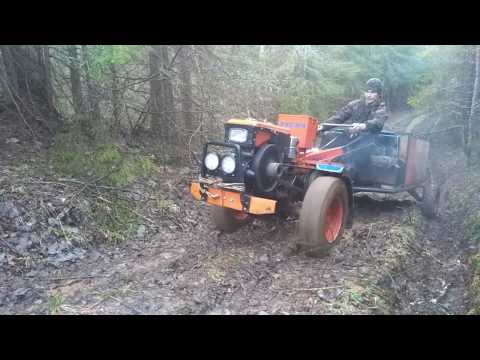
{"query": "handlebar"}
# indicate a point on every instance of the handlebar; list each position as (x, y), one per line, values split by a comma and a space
(329, 126)
(338, 125)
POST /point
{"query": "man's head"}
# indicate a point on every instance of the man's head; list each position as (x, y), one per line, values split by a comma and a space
(373, 91)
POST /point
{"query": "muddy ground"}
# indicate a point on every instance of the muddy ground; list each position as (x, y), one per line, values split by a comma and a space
(393, 261)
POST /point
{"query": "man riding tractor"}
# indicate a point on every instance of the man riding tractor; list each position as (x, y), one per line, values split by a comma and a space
(365, 114)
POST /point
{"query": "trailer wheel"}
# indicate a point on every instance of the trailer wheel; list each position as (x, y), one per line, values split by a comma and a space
(323, 215)
(431, 198)
(229, 220)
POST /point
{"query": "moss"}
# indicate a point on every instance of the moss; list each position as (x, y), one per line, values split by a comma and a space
(76, 156)
(69, 153)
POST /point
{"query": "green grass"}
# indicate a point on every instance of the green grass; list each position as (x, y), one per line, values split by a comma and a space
(475, 286)
(55, 303)
(116, 220)
(363, 297)
(75, 155)
(80, 156)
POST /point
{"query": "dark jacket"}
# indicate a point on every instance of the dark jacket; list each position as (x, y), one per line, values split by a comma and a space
(357, 111)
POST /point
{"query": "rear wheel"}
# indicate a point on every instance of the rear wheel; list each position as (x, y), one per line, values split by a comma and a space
(431, 197)
(229, 220)
(323, 215)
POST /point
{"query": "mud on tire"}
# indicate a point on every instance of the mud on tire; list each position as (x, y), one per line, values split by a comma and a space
(431, 197)
(323, 216)
(229, 220)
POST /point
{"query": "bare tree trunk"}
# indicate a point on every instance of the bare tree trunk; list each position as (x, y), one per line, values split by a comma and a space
(465, 93)
(116, 106)
(10, 90)
(473, 106)
(10, 68)
(44, 59)
(27, 82)
(155, 91)
(75, 79)
(167, 96)
(161, 93)
(93, 103)
(186, 87)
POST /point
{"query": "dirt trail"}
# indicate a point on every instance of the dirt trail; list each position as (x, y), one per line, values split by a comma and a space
(434, 280)
(201, 271)
(377, 268)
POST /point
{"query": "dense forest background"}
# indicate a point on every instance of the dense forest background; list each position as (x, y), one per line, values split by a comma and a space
(173, 97)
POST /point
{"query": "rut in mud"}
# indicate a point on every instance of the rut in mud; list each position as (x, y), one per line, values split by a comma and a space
(391, 261)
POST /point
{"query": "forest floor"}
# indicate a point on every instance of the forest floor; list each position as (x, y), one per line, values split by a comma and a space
(393, 261)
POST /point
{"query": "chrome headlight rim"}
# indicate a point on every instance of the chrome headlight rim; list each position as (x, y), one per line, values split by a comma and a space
(207, 162)
(228, 168)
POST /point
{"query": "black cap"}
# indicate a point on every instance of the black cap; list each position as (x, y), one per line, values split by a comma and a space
(375, 85)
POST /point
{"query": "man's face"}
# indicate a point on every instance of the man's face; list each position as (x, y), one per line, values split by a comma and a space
(370, 96)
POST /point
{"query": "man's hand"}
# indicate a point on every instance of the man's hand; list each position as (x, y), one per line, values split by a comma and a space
(357, 127)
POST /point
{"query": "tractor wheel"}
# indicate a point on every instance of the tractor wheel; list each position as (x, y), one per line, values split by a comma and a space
(229, 220)
(431, 197)
(323, 215)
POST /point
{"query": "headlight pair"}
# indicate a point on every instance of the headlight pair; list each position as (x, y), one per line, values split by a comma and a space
(212, 161)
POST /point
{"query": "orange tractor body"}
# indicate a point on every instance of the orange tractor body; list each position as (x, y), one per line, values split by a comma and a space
(262, 168)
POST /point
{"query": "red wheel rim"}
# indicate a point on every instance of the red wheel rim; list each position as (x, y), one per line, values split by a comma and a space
(334, 219)
(240, 215)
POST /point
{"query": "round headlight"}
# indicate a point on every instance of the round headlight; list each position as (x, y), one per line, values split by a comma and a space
(228, 164)
(211, 161)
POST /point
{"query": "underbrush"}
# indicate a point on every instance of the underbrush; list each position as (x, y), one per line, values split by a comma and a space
(102, 161)
(401, 238)
(116, 220)
(464, 212)
(377, 293)
(106, 162)
(475, 285)
(363, 297)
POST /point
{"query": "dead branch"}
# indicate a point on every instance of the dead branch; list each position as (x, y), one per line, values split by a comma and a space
(76, 277)
(12, 98)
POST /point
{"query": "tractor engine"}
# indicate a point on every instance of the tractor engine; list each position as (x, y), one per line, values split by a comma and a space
(258, 158)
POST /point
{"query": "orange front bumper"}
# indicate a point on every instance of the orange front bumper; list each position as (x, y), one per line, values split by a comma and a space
(232, 200)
